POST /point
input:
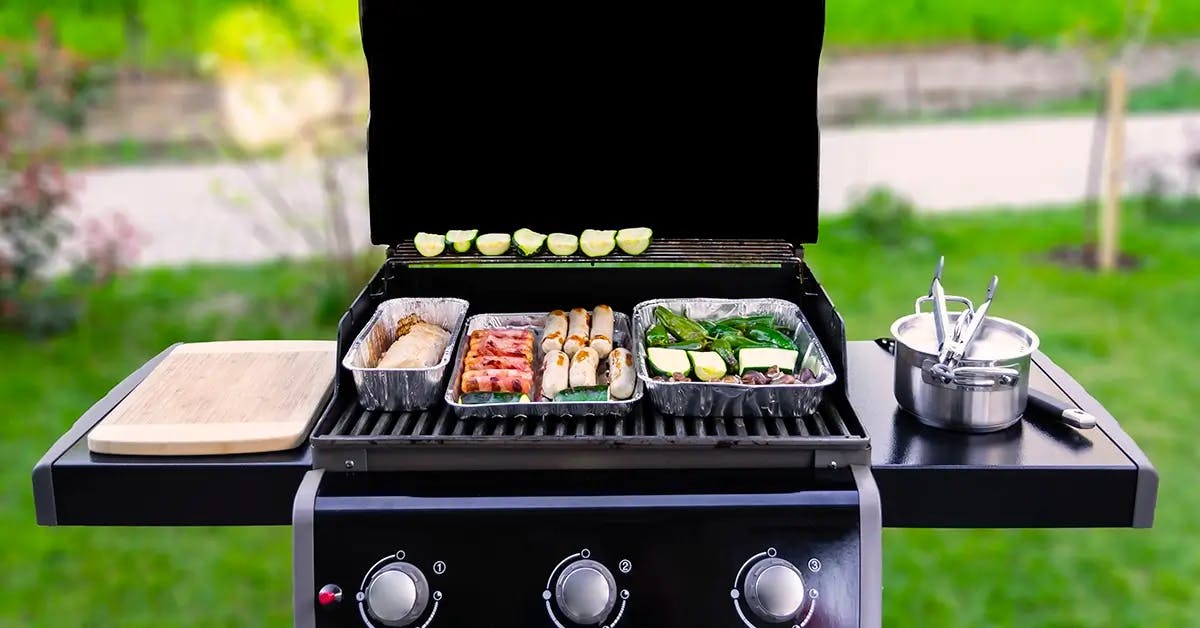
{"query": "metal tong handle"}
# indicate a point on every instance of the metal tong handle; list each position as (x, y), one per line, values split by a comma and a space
(941, 316)
(956, 347)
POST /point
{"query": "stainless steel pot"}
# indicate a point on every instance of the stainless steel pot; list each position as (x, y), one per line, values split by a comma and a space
(985, 392)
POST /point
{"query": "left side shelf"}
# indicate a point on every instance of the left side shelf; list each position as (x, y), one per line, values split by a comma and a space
(73, 486)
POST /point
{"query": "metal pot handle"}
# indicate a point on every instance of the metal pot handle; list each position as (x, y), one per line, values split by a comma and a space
(974, 376)
(928, 299)
(984, 376)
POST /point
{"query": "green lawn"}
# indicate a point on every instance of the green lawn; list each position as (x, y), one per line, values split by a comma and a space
(172, 34)
(1129, 338)
(871, 23)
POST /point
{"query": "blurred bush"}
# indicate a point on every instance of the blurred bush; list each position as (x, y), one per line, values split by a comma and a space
(45, 93)
(881, 215)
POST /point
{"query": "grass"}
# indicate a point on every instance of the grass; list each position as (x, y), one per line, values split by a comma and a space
(176, 34)
(1131, 339)
(868, 23)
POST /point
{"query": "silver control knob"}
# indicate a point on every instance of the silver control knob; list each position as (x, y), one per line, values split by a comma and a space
(774, 590)
(397, 594)
(586, 592)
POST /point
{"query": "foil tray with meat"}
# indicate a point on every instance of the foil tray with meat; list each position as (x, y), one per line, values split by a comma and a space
(577, 363)
(729, 357)
(400, 358)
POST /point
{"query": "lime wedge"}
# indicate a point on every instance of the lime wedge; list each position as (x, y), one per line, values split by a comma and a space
(596, 243)
(461, 239)
(634, 241)
(528, 241)
(493, 243)
(429, 244)
(563, 244)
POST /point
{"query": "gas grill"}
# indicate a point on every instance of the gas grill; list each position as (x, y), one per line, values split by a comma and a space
(424, 519)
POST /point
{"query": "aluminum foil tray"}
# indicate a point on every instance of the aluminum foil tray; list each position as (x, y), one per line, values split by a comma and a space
(702, 399)
(402, 389)
(536, 321)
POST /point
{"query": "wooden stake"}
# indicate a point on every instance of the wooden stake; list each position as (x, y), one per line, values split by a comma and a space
(1114, 171)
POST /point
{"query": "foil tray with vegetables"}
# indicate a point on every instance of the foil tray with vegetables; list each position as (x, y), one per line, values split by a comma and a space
(729, 357)
(540, 364)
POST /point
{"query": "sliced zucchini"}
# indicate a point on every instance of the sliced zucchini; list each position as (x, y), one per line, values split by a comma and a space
(583, 393)
(461, 239)
(491, 397)
(493, 243)
(529, 242)
(596, 243)
(668, 361)
(429, 244)
(634, 241)
(709, 366)
(763, 359)
(562, 243)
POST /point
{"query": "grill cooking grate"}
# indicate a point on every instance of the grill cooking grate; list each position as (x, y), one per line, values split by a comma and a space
(439, 423)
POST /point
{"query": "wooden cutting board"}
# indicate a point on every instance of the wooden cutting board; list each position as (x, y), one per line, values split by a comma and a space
(222, 398)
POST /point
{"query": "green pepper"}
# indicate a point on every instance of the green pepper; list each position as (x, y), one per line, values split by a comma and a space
(720, 331)
(771, 336)
(742, 342)
(583, 393)
(722, 348)
(743, 322)
(686, 346)
(682, 327)
(657, 336)
(708, 326)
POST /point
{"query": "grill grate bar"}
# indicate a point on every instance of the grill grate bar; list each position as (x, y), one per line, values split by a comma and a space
(642, 427)
(385, 421)
(360, 426)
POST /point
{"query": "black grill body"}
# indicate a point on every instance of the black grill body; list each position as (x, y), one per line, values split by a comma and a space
(679, 509)
(678, 545)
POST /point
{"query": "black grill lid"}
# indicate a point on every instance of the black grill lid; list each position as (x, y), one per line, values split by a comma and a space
(697, 124)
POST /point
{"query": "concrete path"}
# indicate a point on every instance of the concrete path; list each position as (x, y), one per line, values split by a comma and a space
(217, 213)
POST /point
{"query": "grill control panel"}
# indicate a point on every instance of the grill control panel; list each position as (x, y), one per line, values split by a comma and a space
(758, 561)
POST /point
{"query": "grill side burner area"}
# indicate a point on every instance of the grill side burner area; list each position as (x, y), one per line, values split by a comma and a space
(617, 548)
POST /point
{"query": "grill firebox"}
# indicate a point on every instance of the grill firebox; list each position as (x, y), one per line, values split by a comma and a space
(349, 437)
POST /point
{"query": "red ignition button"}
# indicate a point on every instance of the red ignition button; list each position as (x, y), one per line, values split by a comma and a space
(329, 595)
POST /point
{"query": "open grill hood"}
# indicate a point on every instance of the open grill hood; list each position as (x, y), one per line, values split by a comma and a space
(696, 123)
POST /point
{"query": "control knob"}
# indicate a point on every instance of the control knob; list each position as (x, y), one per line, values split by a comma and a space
(774, 590)
(586, 592)
(397, 594)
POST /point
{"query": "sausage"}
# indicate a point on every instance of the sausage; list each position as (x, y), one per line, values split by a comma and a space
(602, 331)
(555, 367)
(577, 331)
(583, 367)
(621, 374)
(555, 331)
